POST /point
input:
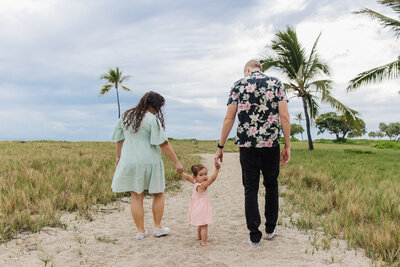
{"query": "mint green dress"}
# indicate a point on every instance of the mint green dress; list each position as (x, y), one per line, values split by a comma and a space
(140, 167)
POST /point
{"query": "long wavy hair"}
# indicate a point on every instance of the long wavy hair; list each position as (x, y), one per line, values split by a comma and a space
(151, 101)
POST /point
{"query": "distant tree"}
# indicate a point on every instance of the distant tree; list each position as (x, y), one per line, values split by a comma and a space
(305, 75)
(388, 71)
(379, 134)
(391, 130)
(114, 79)
(299, 118)
(295, 129)
(372, 134)
(341, 126)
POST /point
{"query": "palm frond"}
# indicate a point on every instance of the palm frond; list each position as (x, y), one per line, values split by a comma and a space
(339, 106)
(268, 63)
(104, 76)
(383, 20)
(394, 4)
(105, 89)
(126, 88)
(385, 72)
(124, 78)
(290, 53)
(312, 55)
(322, 85)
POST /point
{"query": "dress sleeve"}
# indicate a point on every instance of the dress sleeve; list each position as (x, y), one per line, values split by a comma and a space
(157, 135)
(280, 93)
(118, 133)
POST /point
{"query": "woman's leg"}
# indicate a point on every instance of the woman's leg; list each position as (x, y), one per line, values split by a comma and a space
(204, 235)
(137, 210)
(158, 209)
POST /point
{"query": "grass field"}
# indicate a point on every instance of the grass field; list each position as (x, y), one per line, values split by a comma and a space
(350, 191)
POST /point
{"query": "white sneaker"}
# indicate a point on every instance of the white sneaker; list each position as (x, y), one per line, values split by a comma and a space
(141, 236)
(252, 244)
(161, 232)
(271, 235)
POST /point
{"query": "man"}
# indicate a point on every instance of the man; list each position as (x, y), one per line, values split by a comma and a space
(260, 102)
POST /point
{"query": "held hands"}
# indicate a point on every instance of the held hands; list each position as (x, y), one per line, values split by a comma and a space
(179, 167)
(218, 156)
(285, 156)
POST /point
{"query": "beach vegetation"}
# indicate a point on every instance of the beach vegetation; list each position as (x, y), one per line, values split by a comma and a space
(114, 78)
(306, 75)
(388, 71)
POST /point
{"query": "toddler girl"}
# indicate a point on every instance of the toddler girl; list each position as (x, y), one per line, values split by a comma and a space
(200, 212)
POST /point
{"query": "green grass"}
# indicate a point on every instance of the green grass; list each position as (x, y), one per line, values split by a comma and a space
(351, 191)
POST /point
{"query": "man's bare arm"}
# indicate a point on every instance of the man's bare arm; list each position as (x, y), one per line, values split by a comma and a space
(285, 121)
(228, 123)
(226, 129)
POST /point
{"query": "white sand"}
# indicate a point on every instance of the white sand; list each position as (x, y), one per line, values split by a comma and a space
(227, 236)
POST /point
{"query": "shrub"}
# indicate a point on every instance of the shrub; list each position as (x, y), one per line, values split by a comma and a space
(388, 145)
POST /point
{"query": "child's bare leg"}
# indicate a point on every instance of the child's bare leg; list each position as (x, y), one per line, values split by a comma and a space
(198, 232)
(204, 234)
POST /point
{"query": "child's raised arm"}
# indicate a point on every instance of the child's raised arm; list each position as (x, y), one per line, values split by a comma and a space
(188, 177)
(203, 186)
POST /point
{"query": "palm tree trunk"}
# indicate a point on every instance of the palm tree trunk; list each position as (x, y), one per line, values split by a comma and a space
(310, 143)
(119, 109)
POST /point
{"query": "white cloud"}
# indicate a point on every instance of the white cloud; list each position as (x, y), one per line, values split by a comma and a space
(54, 52)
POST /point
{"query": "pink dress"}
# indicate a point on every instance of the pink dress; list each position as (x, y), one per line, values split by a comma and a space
(200, 211)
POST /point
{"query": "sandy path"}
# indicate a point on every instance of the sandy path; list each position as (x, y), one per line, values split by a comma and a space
(228, 237)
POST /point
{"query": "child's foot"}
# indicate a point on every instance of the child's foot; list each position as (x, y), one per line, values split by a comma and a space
(204, 244)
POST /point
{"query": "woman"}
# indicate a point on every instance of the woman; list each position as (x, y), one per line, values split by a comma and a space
(140, 135)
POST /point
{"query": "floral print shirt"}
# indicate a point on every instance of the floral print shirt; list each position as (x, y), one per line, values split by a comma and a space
(257, 97)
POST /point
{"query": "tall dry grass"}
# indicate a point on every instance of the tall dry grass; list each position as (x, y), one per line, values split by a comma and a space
(350, 191)
(39, 180)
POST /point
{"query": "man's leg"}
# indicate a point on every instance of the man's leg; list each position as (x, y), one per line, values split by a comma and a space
(251, 180)
(270, 170)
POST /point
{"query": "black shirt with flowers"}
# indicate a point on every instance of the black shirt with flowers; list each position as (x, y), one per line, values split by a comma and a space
(257, 97)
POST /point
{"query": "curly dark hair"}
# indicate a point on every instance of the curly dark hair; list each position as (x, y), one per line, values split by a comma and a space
(196, 168)
(150, 101)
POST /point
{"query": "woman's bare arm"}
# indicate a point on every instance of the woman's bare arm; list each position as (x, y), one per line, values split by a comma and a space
(118, 151)
(169, 151)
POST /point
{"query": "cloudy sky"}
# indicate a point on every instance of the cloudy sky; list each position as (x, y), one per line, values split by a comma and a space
(52, 53)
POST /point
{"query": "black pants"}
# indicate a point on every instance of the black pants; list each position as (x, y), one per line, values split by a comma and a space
(254, 160)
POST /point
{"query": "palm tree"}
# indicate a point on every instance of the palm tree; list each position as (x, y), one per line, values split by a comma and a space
(299, 118)
(390, 70)
(113, 79)
(304, 74)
